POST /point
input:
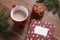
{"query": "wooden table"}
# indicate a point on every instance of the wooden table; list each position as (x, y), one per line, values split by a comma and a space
(48, 17)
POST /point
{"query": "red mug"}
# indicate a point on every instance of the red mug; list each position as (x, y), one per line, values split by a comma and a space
(19, 22)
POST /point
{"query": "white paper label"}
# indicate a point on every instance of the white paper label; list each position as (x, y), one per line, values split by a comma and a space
(41, 30)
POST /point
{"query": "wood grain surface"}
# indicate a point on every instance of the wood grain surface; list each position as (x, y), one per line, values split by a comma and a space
(48, 17)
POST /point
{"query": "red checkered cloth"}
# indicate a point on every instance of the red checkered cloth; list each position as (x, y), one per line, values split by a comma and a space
(32, 36)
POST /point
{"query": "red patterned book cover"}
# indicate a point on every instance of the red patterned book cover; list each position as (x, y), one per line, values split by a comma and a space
(44, 26)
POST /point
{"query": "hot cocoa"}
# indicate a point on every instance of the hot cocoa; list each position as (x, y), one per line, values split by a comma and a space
(19, 15)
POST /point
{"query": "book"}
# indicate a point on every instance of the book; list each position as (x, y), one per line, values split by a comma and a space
(40, 30)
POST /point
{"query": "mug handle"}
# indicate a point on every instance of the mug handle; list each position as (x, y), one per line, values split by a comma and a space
(14, 5)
